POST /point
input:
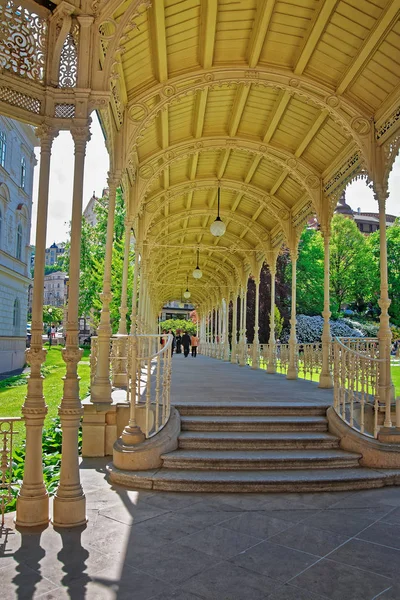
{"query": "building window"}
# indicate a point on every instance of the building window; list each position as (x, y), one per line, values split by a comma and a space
(19, 241)
(16, 316)
(23, 172)
(3, 144)
(1, 224)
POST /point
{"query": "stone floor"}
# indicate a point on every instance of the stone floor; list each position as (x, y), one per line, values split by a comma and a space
(164, 546)
(176, 546)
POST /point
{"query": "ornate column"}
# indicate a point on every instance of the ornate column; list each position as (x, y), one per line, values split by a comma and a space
(69, 508)
(234, 328)
(256, 341)
(212, 354)
(226, 329)
(271, 368)
(242, 339)
(136, 268)
(33, 500)
(101, 387)
(384, 333)
(293, 365)
(125, 272)
(325, 379)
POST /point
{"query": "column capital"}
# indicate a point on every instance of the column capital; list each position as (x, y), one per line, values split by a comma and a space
(85, 21)
(113, 179)
(380, 193)
(81, 136)
(46, 133)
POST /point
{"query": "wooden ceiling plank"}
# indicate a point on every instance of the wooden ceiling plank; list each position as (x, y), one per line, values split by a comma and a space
(238, 108)
(279, 109)
(253, 168)
(279, 182)
(319, 121)
(209, 14)
(388, 17)
(315, 31)
(200, 112)
(223, 163)
(260, 28)
(158, 40)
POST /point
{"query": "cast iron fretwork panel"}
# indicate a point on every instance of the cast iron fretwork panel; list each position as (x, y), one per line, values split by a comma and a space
(69, 59)
(22, 41)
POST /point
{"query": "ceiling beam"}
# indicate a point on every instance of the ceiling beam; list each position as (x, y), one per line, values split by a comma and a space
(158, 40)
(189, 201)
(238, 108)
(223, 162)
(253, 168)
(200, 112)
(389, 15)
(277, 114)
(319, 121)
(237, 201)
(209, 14)
(257, 213)
(260, 28)
(279, 182)
(193, 166)
(315, 31)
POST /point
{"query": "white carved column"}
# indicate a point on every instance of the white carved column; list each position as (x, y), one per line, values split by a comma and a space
(33, 500)
(271, 368)
(293, 365)
(136, 271)
(256, 341)
(101, 387)
(212, 333)
(125, 272)
(226, 329)
(384, 333)
(234, 328)
(325, 379)
(69, 508)
(242, 339)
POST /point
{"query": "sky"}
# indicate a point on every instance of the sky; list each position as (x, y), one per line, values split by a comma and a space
(97, 165)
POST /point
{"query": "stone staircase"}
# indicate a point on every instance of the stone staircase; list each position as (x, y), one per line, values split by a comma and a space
(245, 447)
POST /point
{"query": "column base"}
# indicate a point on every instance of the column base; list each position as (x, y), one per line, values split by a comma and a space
(32, 511)
(292, 373)
(69, 512)
(271, 369)
(325, 381)
(132, 435)
(100, 391)
(389, 435)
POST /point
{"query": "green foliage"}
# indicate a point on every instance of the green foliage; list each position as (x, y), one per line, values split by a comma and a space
(279, 321)
(310, 273)
(176, 324)
(52, 314)
(59, 266)
(93, 245)
(52, 446)
(349, 264)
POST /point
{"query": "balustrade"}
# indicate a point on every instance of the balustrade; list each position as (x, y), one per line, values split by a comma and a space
(7, 433)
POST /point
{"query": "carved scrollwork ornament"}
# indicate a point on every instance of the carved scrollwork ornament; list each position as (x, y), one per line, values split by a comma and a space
(72, 355)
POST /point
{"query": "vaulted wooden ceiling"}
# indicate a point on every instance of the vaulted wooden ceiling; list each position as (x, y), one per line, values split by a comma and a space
(266, 98)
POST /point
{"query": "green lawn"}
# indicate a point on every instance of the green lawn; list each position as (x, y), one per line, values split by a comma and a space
(12, 398)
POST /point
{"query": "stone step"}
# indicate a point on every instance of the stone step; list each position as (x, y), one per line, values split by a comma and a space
(248, 423)
(302, 480)
(262, 459)
(230, 440)
(251, 409)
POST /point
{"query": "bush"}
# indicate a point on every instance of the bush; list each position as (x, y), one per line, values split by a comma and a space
(366, 329)
(309, 329)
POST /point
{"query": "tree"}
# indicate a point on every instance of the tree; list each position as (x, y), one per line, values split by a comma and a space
(93, 246)
(178, 325)
(52, 314)
(350, 264)
(393, 260)
(310, 273)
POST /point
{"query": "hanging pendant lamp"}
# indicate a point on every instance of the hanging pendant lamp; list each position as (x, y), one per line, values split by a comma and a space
(197, 273)
(218, 228)
(187, 293)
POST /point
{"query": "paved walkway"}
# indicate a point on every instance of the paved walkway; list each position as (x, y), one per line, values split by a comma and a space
(204, 379)
(175, 546)
(165, 546)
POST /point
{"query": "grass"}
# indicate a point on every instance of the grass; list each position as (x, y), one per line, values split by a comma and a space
(13, 389)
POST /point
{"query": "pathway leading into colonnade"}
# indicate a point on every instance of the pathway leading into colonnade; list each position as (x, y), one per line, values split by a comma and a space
(243, 430)
(204, 379)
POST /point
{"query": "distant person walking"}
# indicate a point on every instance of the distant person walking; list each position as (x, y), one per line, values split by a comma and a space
(178, 340)
(195, 343)
(49, 334)
(185, 344)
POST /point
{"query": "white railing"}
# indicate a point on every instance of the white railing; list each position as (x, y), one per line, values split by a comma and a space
(7, 433)
(356, 383)
(141, 365)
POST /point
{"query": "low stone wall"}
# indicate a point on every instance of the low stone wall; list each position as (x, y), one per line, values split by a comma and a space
(374, 453)
(12, 353)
